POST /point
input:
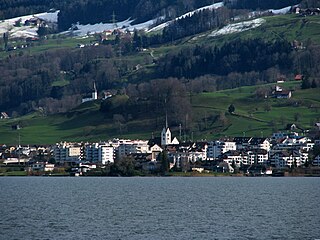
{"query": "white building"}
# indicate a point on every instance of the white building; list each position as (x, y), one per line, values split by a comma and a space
(218, 148)
(165, 137)
(236, 157)
(94, 95)
(67, 152)
(289, 158)
(127, 147)
(99, 153)
(259, 156)
(42, 166)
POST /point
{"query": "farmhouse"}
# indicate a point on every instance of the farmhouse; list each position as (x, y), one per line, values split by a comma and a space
(281, 93)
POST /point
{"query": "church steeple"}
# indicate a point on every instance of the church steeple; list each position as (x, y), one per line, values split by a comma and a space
(95, 92)
(165, 137)
(166, 119)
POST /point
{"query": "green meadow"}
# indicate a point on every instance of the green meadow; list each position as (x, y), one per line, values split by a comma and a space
(253, 116)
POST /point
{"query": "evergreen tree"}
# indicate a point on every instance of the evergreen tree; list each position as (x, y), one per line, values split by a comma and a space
(165, 165)
(231, 108)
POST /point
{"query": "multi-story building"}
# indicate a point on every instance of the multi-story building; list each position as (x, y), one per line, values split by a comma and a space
(67, 152)
(127, 147)
(217, 148)
(99, 153)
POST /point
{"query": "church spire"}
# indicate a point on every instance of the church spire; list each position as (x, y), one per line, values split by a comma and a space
(166, 119)
(165, 105)
(95, 92)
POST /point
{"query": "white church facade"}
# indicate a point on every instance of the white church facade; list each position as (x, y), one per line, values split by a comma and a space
(94, 95)
(166, 138)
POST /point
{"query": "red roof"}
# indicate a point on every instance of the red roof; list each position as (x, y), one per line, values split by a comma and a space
(298, 77)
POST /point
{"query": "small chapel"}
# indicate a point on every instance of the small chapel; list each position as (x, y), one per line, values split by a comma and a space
(93, 96)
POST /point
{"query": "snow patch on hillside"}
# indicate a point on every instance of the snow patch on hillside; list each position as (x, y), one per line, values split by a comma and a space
(83, 30)
(238, 27)
(188, 14)
(90, 29)
(26, 31)
(280, 11)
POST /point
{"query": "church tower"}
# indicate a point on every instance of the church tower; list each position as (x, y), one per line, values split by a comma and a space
(95, 92)
(165, 137)
(166, 134)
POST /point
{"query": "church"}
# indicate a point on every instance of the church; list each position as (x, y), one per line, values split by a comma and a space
(93, 96)
(166, 138)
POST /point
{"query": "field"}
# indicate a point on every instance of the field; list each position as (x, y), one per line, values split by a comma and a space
(252, 117)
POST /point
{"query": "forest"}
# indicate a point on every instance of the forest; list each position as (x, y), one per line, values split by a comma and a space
(56, 80)
(95, 11)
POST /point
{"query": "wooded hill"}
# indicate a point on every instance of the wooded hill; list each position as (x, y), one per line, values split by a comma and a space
(95, 11)
(171, 71)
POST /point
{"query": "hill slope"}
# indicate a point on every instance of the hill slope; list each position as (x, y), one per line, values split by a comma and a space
(253, 117)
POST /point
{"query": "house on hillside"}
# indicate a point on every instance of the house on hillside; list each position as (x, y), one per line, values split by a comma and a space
(106, 95)
(298, 77)
(281, 93)
(4, 115)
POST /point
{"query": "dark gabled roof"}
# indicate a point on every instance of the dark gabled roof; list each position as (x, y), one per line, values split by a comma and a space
(241, 140)
(154, 141)
(259, 151)
(199, 146)
(232, 153)
(257, 141)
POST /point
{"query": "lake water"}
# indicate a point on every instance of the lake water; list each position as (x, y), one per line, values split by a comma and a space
(159, 208)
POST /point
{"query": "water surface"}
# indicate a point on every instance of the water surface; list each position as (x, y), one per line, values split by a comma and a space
(159, 208)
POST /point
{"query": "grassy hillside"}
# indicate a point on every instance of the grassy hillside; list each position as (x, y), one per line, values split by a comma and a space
(87, 123)
(258, 116)
(290, 27)
(253, 116)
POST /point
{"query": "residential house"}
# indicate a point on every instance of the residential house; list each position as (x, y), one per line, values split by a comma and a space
(242, 142)
(316, 161)
(281, 93)
(42, 167)
(260, 143)
(290, 158)
(127, 147)
(4, 115)
(298, 77)
(235, 157)
(198, 152)
(257, 157)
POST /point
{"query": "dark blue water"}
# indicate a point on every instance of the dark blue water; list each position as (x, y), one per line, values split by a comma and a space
(159, 208)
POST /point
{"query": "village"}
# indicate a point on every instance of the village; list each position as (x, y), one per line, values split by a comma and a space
(284, 151)
(251, 156)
